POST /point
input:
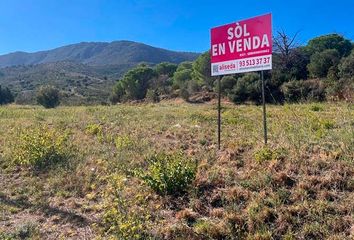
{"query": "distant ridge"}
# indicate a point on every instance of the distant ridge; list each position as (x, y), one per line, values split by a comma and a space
(98, 54)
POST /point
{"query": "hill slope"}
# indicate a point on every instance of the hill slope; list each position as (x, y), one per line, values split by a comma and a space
(81, 83)
(98, 53)
(85, 72)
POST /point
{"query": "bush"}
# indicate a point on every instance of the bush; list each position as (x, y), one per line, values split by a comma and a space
(41, 148)
(166, 68)
(226, 84)
(135, 83)
(152, 95)
(117, 93)
(202, 72)
(299, 90)
(184, 94)
(182, 75)
(343, 88)
(346, 67)
(5, 96)
(48, 97)
(168, 174)
(247, 88)
(321, 62)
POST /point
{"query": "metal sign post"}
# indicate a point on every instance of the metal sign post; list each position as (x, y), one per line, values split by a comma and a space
(219, 111)
(264, 111)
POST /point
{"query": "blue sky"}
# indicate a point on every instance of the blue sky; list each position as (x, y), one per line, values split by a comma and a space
(33, 25)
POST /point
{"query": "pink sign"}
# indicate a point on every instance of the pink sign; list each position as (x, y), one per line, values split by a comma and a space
(243, 46)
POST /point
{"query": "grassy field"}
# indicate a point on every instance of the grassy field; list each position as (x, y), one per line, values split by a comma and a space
(301, 186)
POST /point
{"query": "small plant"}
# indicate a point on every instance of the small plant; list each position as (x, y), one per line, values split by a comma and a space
(316, 108)
(39, 148)
(203, 142)
(93, 129)
(264, 154)
(328, 124)
(123, 217)
(122, 142)
(267, 154)
(168, 174)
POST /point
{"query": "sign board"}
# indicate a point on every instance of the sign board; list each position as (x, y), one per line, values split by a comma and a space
(243, 46)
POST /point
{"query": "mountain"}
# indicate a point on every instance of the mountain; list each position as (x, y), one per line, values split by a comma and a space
(85, 72)
(98, 54)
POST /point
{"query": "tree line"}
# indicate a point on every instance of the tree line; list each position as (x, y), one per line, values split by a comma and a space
(321, 70)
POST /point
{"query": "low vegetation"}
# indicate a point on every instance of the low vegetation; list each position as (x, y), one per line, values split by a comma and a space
(168, 174)
(321, 70)
(152, 171)
(40, 148)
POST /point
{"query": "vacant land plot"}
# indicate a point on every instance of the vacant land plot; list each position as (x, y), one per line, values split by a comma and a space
(152, 171)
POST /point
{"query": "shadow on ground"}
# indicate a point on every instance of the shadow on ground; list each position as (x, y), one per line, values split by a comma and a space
(48, 211)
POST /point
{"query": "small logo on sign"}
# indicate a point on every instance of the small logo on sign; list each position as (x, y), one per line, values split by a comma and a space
(215, 68)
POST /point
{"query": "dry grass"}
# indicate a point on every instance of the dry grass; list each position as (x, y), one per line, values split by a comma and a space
(299, 187)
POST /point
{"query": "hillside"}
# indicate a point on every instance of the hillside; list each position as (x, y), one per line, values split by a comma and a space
(80, 83)
(85, 72)
(98, 54)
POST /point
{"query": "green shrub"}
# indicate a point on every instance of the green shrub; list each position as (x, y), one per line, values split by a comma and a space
(267, 154)
(168, 174)
(184, 94)
(346, 66)
(226, 84)
(5, 96)
(48, 97)
(316, 108)
(40, 148)
(321, 62)
(247, 88)
(122, 142)
(134, 84)
(152, 95)
(299, 90)
(328, 124)
(94, 129)
(264, 154)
